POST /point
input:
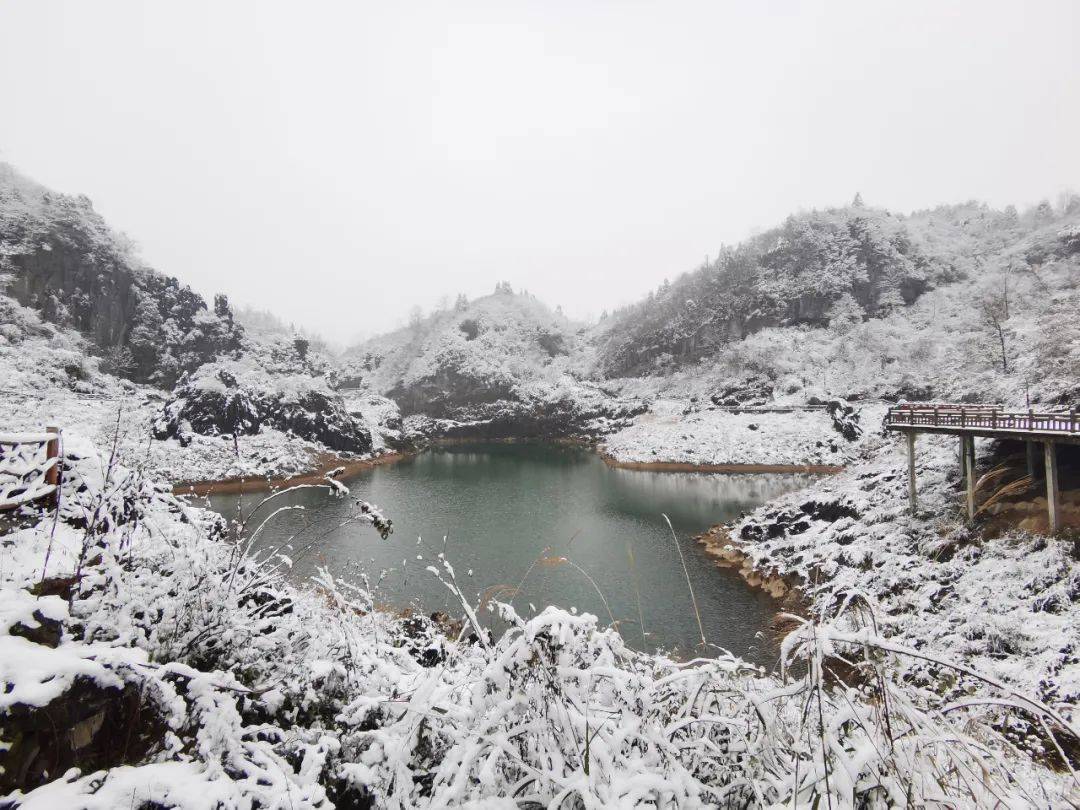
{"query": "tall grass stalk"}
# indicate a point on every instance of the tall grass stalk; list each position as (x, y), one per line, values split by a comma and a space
(637, 595)
(686, 572)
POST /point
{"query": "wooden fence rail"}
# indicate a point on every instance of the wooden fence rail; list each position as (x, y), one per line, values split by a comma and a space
(29, 468)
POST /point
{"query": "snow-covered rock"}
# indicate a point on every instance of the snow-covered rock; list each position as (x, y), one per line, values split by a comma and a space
(238, 397)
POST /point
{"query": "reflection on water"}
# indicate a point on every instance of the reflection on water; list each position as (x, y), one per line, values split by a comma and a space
(494, 509)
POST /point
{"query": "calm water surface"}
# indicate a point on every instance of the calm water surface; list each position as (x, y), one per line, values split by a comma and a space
(494, 509)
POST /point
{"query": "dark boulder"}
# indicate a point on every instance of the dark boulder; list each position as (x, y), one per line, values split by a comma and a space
(90, 727)
(43, 630)
(911, 390)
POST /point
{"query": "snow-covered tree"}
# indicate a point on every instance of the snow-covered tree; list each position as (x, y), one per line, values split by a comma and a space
(845, 313)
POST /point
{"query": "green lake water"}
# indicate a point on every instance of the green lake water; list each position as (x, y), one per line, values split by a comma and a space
(493, 509)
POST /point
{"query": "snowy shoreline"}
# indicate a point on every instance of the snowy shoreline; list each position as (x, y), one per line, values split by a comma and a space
(675, 434)
(328, 466)
(1007, 604)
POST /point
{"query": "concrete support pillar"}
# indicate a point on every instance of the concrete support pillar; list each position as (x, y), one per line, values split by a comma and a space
(1053, 494)
(911, 470)
(1034, 466)
(960, 446)
(969, 474)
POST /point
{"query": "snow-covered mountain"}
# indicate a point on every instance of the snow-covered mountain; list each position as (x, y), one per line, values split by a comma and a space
(858, 304)
(477, 352)
(837, 269)
(88, 328)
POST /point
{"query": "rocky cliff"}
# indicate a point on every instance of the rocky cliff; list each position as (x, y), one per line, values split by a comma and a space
(58, 256)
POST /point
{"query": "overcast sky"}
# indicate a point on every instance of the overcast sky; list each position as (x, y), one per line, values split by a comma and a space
(339, 163)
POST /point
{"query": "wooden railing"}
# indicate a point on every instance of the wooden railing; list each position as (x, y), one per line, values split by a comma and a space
(29, 467)
(982, 418)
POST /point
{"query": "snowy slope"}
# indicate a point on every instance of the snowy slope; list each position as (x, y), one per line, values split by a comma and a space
(486, 349)
(681, 432)
(500, 366)
(1007, 605)
(51, 376)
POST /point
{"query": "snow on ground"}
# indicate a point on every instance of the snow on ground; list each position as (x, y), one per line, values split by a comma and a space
(677, 431)
(237, 690)
(1009, 606)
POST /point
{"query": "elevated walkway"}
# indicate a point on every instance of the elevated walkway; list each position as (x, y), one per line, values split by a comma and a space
(1048, 428)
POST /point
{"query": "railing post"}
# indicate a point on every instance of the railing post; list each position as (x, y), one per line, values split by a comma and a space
(52, 475)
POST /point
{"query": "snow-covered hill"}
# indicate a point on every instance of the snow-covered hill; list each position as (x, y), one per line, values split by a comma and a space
(88, 331)
(486, 350)
(855, 304)
(52, 375)
(502, 365)
(819, 268)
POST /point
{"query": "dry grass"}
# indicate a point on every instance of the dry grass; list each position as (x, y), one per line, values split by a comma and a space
(994, 477)
(1010, 490)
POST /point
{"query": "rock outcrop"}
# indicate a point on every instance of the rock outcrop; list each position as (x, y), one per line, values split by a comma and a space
(215, 402)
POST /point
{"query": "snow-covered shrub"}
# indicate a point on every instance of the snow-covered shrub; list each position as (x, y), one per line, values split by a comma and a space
(250, 692)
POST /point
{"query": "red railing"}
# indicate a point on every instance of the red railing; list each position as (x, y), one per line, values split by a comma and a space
(982, 418)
